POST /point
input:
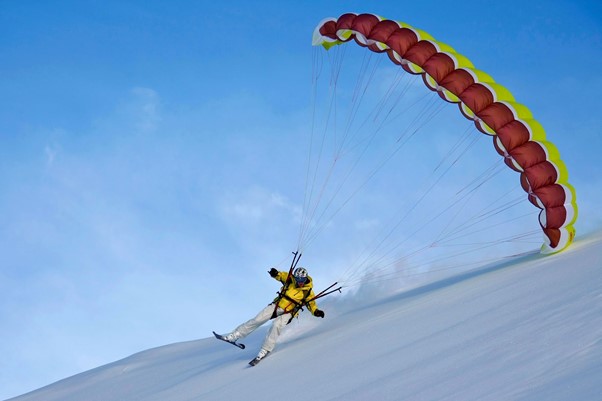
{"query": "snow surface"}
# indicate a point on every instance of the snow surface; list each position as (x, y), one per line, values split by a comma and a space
(529, 329)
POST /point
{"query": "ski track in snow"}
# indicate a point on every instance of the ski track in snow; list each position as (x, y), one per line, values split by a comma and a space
(525, 330)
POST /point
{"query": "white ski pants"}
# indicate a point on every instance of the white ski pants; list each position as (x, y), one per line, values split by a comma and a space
(263, 316)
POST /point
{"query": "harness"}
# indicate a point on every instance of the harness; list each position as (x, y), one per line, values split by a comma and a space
(298, 304)
(287, 282)
(304, 301)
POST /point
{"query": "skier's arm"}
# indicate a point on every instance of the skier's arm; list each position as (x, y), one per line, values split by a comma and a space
(281, 276)
(276, 275)
(311, 305)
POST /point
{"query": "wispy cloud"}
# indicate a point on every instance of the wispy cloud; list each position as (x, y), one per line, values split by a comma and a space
(51, 152)
(145, 107)
(257, 205)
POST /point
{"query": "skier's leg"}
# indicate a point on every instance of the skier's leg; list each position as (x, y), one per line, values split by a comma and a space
(270, 340)
(249, 326)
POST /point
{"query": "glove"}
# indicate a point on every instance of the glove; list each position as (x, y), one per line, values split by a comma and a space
(273, 272)
(319, 313)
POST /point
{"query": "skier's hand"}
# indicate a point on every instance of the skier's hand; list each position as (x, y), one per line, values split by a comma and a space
(273, 272)
(319, 313)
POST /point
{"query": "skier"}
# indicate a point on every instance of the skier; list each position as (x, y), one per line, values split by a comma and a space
(296, 292)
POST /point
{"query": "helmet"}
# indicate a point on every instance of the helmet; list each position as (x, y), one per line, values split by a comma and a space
(300, 272)
(300, 275)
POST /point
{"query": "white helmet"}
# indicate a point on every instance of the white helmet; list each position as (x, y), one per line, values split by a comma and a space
(300, 275)
(300, 272)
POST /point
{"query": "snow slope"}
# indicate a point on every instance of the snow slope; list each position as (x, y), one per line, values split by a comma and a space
(530, 329)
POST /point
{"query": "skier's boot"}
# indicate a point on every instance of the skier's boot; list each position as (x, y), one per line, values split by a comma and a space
(232, 337)
(262, 354)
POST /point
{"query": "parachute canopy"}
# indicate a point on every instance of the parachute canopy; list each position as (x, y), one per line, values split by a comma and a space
(517, 136)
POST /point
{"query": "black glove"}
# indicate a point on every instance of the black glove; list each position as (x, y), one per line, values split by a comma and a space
(273, 272)
(319, 313)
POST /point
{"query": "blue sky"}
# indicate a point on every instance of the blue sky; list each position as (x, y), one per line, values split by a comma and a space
(152, 157)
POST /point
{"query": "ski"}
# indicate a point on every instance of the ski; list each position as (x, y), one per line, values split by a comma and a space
(257, 359)
(220, 337)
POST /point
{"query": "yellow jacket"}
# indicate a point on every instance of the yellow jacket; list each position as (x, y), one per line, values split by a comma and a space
(294, 295)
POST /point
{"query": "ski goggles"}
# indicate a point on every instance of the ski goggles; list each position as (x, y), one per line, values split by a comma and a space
(301, 280)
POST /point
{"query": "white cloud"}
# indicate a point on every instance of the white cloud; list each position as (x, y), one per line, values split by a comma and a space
(145, 108)
(51, 152)
(258, 205)
(140, 112)
(367, 224)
